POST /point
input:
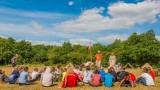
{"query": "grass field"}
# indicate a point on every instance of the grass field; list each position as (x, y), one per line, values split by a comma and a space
(37, 85)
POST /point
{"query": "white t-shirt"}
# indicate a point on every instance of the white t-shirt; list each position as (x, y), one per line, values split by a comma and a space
(47, 79)
(112, 60)
(34, 75)
(87, 76)
(148, 78)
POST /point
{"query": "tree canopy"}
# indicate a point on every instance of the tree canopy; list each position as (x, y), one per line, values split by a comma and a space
(137, 50)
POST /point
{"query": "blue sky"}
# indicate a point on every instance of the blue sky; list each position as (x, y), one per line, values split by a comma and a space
(78, 21)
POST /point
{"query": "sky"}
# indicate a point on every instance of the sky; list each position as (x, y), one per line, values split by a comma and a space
(85, 22)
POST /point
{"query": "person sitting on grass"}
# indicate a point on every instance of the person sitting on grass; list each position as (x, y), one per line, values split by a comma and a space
(70, 79)
(78, 71)
(47, 77)
(57, 73)
(3, 77)
(128, 80)
(108, 79)
(102, 73)
(112, 71)
(42, 70)
(121, 74)
(54, 73)
(95, 79)
(145, 78)
(87, 75)
(64, 75)
(14, 76)
(35, 75)
(24, 77)
(152, 73)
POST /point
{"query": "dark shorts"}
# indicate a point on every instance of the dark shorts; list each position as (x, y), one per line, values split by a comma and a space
(13, 64)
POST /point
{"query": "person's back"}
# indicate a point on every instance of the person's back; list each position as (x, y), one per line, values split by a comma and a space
(35, 74)
(47, 77)
(72, 80)
(96, 79)
(113, 72)
(87, 76)
(23, 78)
(149, 80)
(120, 75)
(13, 77)
(108, 80)
(79, 73)
(102, 73)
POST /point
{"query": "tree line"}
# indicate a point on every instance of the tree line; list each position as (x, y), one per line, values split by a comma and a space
(137, 50)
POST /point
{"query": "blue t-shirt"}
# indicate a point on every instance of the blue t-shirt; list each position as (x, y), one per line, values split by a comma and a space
(23, 78)
(108, 80)
(102, 73)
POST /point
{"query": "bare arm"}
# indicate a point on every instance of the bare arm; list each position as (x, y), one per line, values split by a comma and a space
(121, 82)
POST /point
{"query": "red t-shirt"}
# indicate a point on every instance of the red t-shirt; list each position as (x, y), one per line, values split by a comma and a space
(132, 77)
(152, 73)
(72, 80)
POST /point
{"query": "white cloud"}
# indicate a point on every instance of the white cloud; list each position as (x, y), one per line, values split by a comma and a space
(16, 28)
(46, 43)
(31, 28)
(122, 15)
(112, 38)
(3, 37)
(32, 14)
(37, 26)
(82, 41)
(70, 3)
(158, 38)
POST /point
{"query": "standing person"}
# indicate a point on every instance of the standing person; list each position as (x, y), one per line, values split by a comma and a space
(99, 58)
(14, 59)
(112, 60)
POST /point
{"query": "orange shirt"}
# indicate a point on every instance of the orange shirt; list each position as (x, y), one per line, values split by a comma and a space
(99, 57)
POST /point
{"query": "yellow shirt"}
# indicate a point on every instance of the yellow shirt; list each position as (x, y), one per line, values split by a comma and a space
(63, 75)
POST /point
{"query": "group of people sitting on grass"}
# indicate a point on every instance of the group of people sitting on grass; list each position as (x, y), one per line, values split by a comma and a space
(72, 76)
